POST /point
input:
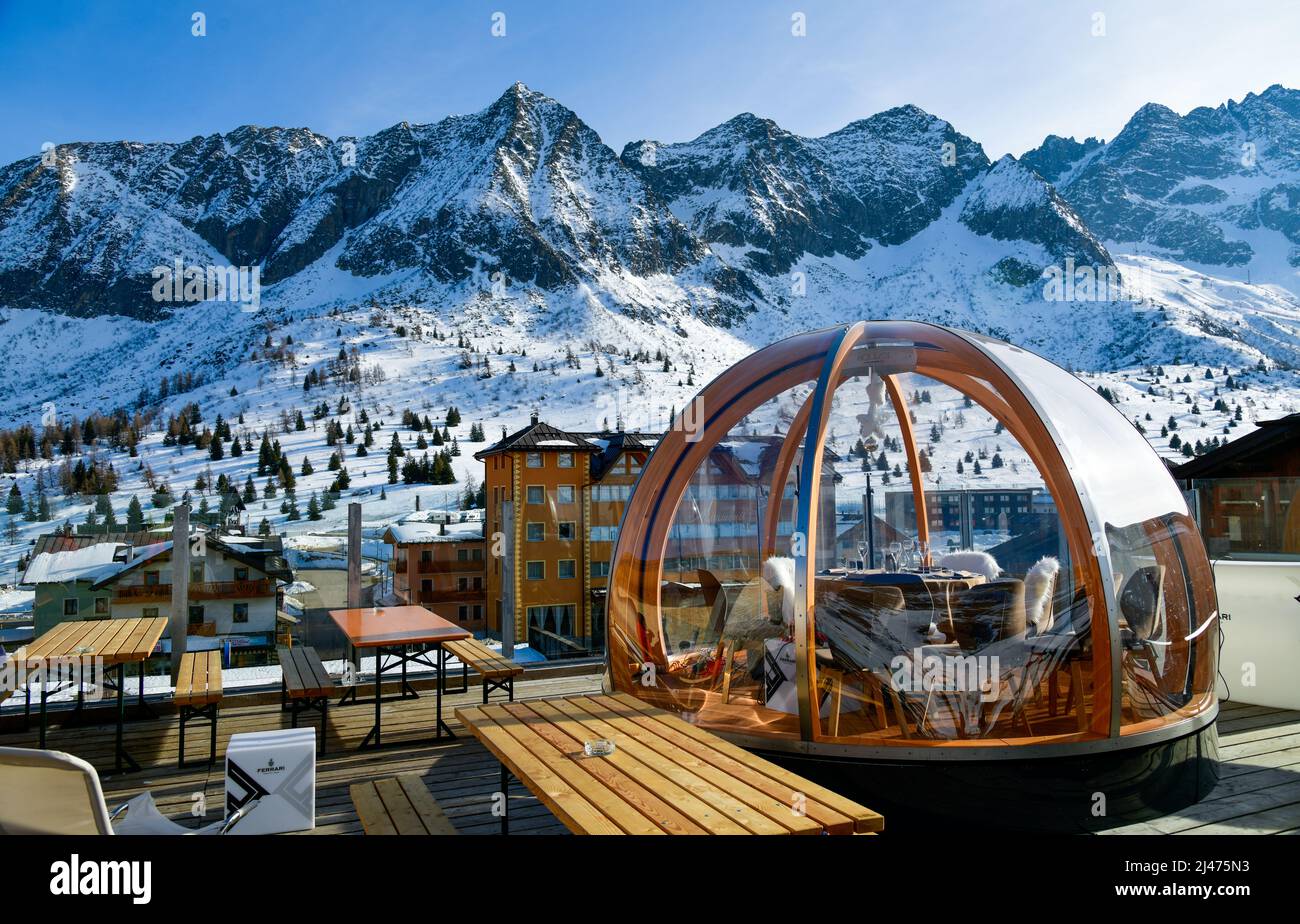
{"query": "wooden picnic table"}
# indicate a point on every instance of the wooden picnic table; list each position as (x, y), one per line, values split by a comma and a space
(114, 642)
(404, 633)
(665, 775)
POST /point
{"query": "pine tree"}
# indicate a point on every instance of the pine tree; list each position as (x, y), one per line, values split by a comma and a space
(134, 515)
(14, 504)
(313, 507)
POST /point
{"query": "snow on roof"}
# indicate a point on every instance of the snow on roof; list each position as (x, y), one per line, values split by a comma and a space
(90, 563)
(555, 443)
(406, 533)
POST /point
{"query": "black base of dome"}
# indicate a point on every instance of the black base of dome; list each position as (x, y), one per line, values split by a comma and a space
(1080, 793)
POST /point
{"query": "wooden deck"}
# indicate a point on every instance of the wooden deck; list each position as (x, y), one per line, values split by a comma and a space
(1259, 779)
(1259, 792)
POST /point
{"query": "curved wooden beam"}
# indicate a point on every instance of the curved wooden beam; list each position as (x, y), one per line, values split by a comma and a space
(913, 463)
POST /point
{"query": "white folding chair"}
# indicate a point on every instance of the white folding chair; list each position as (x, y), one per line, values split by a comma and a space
(50, 792)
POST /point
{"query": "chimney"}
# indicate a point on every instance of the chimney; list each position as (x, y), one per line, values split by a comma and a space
(534, 417)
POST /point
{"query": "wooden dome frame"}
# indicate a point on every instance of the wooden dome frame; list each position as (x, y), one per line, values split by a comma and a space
(825, 359)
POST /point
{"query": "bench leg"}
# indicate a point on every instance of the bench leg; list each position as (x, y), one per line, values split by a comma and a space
(189, 714)
(319, 704)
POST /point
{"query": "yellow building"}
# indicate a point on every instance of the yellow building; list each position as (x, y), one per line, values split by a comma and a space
(536, 530)
(555, 500)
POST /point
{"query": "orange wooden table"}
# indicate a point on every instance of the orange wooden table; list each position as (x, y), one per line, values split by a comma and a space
(406, 634)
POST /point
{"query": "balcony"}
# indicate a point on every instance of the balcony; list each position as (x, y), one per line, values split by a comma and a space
(218, 590)
(205, 629)
(450, 567)
(142, 593)
(452, 596)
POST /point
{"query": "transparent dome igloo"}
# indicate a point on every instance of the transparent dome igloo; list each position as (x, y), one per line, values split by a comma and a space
(893, 539)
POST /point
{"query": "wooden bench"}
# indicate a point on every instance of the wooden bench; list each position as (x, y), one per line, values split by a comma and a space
(304, 685)
(401, 805)
(498, 673)
(198, 694)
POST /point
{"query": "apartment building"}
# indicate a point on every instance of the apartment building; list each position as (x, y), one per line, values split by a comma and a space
(555, 499)
(234, 584)
(442, 566)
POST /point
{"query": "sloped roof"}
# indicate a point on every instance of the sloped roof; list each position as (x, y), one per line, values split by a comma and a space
(1239, 457)
(89, 561)
(421, 533)
(537, 436)
(611, 445)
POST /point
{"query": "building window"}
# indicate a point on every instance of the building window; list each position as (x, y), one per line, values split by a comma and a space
(101, 606)
(241, 612)
(536, 494)
(241, 574)
(534, 460)
(568, 568)
(566, 494)
(151, 579)
(536, 571)
(536, 532)
(568, 531)
(462, 583)
(600, 569)
(462, 613)
(559, 619)
(426, 555)
(196, 614)
(196, 573)
(71, 606)
(633, 466)
(426, 587)
(606, 533)
(149, 612)
(476, 554)
(462, 555)
(565, 460)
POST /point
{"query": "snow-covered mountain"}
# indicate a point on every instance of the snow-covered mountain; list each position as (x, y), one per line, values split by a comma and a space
(518, 226)
(1218, 188)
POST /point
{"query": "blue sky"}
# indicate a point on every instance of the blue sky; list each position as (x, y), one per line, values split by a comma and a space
(1004, 73)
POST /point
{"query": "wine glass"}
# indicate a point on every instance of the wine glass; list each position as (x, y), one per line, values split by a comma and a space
(863, 548)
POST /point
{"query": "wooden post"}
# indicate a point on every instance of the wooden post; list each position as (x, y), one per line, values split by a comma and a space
(354, 556)
(179, 620)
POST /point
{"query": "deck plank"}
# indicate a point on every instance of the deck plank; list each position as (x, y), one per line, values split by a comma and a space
(1258, 792)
